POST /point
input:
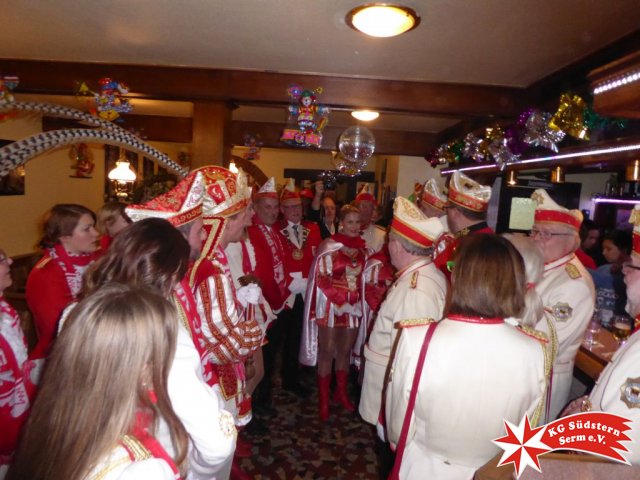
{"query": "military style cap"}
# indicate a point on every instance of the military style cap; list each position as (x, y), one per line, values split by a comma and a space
(225, 192)
(432, 195)
(549, 211)
(469, 194)
(410, 223)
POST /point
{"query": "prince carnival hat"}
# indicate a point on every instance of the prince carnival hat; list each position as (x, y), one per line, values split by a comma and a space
(548, 211)
(179, 206)
(410, 223)
(469, 194)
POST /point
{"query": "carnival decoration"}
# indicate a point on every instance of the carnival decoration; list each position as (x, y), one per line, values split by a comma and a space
(253, 144)
(570, 117)
(8, 83)
(81, 160)
(307, 118)
(505, 145)
(356, 146)
(21, 151)
(110, 102)
(539, 133)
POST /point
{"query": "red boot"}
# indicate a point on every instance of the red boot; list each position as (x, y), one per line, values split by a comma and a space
(324, 384)
(243, 448)
(341, 394)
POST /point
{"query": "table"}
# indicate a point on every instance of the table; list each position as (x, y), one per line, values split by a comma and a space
(594, 355)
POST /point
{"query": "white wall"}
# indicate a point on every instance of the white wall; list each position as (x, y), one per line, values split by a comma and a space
(592, 183)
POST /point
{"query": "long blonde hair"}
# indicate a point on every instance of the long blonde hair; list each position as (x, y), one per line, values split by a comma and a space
(117, 345)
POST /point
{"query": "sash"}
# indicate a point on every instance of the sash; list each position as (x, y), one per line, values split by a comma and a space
(188, 313)
(275, 249)
(73, 266)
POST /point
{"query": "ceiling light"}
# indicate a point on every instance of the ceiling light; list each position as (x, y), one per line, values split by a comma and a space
(633, 171)
(512, 178)
(557, 175)
(365, 115)
(382, 19)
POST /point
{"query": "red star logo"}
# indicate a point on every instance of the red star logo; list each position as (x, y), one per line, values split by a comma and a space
(522, 445)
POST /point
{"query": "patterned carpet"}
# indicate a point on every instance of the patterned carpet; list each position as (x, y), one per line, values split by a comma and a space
(299, 446)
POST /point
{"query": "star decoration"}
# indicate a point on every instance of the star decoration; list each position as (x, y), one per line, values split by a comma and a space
(522, 445)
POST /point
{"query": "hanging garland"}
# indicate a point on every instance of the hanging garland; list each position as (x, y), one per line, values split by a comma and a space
(533, 128)
(19, 152)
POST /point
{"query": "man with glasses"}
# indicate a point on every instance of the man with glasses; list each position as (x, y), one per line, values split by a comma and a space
(566, 289)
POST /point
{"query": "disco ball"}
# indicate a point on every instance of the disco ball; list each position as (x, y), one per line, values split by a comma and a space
(357, 143)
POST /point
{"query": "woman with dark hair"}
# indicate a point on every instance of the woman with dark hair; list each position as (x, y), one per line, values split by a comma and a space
(69, 244)
(153, 255)
(88, 421)
(334, 308)
(611, 296)
(471, 359)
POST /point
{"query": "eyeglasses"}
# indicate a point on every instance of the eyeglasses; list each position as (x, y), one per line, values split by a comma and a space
(630, 265)
(450, 265)
(4, 258)
(546, 235)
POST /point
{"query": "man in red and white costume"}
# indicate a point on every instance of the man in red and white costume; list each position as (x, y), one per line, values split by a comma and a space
(192, 383)
(230, 329)
(418, 291)
(566, 289)
(468, 202)
(373, 235)
(299, 239)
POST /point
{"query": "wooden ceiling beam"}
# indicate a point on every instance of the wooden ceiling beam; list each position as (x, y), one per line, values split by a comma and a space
(192, 84)
(148, 127)
(388, 142)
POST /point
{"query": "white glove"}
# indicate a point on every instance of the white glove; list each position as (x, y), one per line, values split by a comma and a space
(298, 284)
(249, 294)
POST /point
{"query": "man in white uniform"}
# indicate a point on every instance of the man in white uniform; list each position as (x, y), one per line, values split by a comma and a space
(418, 291)
(566, 289)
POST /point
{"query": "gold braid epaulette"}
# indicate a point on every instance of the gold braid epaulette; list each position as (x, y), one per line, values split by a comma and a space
(414, 322)
(532, 332)
(42, 262)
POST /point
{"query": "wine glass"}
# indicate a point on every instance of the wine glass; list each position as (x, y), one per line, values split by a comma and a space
(592, 328)
(621, 327)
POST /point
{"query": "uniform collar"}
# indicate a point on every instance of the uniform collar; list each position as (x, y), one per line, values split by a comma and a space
(559, 262)
(413, 266)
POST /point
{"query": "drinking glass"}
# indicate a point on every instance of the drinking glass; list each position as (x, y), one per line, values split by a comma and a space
(621, 327)
(592, 328)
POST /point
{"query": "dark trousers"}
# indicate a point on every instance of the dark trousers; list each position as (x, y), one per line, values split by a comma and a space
(284, 334)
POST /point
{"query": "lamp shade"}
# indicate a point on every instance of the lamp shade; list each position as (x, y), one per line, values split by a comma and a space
(122, 172)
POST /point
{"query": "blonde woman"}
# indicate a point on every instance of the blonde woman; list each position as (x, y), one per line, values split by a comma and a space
(89, 419)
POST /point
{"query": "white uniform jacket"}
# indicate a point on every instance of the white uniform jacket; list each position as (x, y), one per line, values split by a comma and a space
(119, 466)
(616, 391)
(568, 295)
(418, 292)
(199, 407)
(474, 376)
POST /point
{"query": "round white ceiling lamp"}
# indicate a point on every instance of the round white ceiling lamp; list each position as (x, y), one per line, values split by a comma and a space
(383, 19)
(365, 115)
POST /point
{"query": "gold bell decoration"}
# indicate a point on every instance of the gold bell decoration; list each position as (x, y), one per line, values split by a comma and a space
(557, 174)
(570, 117)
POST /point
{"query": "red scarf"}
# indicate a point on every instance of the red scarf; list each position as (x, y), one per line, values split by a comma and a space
(73, 266)
(349, 242)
